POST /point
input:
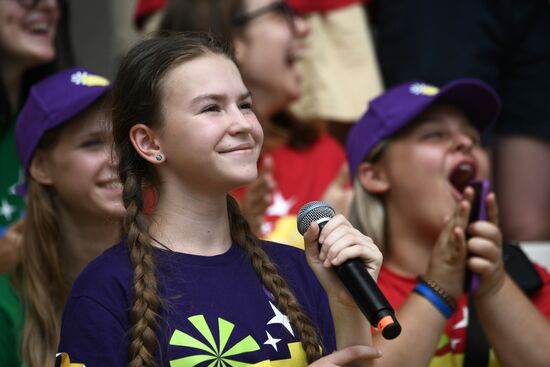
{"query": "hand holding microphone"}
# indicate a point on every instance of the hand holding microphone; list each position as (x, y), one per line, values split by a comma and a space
(343, 242)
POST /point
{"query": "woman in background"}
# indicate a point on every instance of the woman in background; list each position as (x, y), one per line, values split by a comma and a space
(74, 207)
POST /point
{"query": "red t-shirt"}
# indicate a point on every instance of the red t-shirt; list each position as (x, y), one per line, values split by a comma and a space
(310, 6)
(301, 176)
(450, 350)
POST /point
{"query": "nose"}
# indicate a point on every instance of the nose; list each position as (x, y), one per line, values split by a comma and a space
(301, 27)
(463, 142)
(46, 3)
(239, 122)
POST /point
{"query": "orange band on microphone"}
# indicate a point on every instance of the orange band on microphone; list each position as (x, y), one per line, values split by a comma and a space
(384, 321)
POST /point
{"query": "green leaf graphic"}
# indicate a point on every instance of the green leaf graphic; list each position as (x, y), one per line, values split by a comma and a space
(200, 324)
(182, 339)
(246, 345)
(216, 354)
(191, 360)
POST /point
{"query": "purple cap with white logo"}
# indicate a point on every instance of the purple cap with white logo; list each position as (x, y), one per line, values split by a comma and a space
(51, 103)
(401, 105)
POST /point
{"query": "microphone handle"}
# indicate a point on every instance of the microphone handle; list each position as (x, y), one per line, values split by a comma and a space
(368, 297)
(364, 290)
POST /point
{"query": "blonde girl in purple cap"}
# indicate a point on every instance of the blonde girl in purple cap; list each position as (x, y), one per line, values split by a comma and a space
(412, 157)
(74, 207)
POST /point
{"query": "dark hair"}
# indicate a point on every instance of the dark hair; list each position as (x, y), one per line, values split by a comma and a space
(137, 97)
(214, 17)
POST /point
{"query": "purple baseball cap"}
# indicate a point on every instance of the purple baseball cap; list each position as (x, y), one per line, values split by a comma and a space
(401, 105)
(52, 102)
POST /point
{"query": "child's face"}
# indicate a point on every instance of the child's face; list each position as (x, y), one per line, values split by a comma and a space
(429, 164)
(267, 53)
(80, 168)
(27, 34)
(210, 136)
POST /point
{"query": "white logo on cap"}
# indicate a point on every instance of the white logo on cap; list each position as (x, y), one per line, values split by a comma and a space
(423, 89)
(88, 80)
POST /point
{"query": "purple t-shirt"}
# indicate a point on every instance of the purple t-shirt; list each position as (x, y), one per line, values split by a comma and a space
(214, 309)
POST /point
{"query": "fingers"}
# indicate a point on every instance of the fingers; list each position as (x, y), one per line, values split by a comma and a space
(486, 230)
(462, 212)
(347, 356)
(341, 242)
(258, 196)
(486, 249)
(492, 208)
(310, 241)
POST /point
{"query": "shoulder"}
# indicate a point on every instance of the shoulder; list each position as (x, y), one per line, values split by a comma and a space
(292, 264)
(284, 254)
(107, 276)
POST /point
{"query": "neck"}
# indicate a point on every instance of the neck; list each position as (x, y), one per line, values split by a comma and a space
(192, 223)
(85, 238)
(409, 248)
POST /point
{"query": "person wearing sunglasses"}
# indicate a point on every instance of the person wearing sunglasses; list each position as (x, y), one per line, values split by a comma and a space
(300, 162)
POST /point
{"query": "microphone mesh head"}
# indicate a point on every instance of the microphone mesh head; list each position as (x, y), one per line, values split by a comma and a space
(312, 212)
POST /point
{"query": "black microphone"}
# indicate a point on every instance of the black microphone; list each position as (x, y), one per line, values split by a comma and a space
(354, 276)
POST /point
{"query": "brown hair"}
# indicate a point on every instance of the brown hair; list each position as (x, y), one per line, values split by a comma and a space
(42, 277)
(137, 97)
(39, 278)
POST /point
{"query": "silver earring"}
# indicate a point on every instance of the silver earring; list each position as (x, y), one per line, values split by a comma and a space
(158, 157)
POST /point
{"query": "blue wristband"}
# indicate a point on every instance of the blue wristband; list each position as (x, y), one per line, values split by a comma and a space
(427, 292)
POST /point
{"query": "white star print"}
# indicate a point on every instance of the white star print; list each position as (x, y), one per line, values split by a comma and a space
(272, 341)
(454, 343)
(7, 209)
(279, 318)
(20, 180)
(464, 322)
(280, 206)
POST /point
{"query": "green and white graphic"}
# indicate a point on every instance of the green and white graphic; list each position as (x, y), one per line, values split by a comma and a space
(217, 354)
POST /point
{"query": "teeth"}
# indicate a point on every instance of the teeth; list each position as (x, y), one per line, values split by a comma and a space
(466, 167)
(40, 27)
(113, 185)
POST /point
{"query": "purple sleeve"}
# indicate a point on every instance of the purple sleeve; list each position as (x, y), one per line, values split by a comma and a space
(92, 335)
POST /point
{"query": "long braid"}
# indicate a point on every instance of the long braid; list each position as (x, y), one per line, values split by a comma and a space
(273, 281)
(138, 97)
(144, 311)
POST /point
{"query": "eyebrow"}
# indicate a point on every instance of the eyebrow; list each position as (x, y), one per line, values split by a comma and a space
(218, 97)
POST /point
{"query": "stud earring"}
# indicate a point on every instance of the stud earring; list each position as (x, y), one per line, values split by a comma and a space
(158, 157)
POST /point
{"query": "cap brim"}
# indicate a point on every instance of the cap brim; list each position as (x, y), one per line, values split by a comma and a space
(478, 101)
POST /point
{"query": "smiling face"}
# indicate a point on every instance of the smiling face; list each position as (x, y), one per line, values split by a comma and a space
(80, 169)
(429, 164)
(27, 35)
(210, 137)
(267, 52)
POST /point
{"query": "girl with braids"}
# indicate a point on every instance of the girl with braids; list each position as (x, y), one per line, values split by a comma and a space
(300, 161)
(74, 207)
(191, 285)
